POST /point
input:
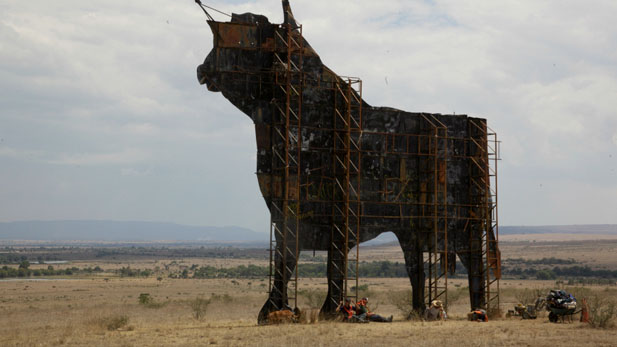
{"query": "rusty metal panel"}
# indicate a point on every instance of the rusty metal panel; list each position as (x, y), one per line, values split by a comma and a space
(262, 132)
(235, 35)
(272, 186)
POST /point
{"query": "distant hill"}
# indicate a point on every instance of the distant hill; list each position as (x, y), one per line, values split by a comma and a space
(101, 230)
(604, 229)
(94, 230)
(590, 229)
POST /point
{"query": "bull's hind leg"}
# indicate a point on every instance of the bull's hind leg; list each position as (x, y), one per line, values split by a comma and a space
(278, 297)
(474, 265)
(414, 264)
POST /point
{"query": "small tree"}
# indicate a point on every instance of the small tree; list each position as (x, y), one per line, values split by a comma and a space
(199, 306)
(145, 299)
(602, 312)
(24, 264)
(314, 297)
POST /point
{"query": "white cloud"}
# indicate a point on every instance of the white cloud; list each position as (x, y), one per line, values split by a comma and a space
(113, 84)
(123, 157)
(19, 153)
(135, 172)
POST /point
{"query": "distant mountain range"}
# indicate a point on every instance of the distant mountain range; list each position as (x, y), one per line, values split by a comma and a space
(603, 229)
(101, 230)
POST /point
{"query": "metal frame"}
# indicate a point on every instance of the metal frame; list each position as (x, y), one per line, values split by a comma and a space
(344, 185)
(346, 207)
(436, 259)
(484, 148)
(286, 136)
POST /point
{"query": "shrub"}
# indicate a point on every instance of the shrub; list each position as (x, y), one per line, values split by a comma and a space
(545, 275)
(402, 301)
(361, 288)
(602, 312)
(457, 294)
(145, 299)
(314, 297)
(528, 296)
(199, 306)
(148, 301)
(116, 322)
(226, 298)
(24, 264)
(579, 293)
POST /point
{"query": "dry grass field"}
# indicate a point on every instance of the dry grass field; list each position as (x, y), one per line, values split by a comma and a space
(103, 309)
(107, 312)
(599, 253)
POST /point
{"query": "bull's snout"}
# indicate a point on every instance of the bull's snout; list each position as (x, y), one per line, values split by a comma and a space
(205, 74)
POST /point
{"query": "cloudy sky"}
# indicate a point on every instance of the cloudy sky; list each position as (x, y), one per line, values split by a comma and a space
(101, 115)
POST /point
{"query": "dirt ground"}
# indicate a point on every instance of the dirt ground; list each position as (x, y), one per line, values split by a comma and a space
(82, 312)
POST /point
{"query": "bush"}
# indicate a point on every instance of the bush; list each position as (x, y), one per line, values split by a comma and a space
(457, 294)
(402, 301)
(145, 299)
(361, 288)
(528, 296)
(148, 301)
(116, 322)
(226, 298)
(314, 297)
(602, 312)
(24, 264)
(545, 275)
(199, 306)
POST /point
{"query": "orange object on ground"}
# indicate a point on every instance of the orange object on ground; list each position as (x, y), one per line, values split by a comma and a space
(585, 312)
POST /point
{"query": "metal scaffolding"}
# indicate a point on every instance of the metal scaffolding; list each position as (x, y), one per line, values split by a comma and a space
(286, 135)
(346, 208)
(286, 210)
(336, 194)
(484, 154)
(436, 259)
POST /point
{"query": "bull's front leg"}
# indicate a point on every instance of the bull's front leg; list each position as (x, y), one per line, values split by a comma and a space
(414, 264)
(336, 280)
(284, 266)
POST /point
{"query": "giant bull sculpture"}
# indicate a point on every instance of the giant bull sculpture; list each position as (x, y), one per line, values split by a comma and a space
(397, 169)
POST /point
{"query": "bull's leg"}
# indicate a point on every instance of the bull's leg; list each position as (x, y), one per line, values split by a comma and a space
(414, 263)
(474, 265)
(278, 297)
(336, 266)
(415, 269)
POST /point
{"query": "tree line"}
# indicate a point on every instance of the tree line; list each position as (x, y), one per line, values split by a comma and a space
(24, 271)
(365, 269)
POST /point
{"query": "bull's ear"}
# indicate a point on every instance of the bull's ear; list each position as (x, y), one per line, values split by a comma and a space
(288, 15)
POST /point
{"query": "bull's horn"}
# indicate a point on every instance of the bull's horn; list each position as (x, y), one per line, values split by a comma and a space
(288, 15)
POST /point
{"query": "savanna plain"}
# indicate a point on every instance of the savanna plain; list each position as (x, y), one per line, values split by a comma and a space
(127, 297)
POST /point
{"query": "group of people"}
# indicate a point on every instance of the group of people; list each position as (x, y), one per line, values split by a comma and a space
(359, 313)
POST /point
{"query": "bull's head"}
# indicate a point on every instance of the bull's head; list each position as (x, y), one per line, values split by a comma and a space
(245, 58)
(235, 45)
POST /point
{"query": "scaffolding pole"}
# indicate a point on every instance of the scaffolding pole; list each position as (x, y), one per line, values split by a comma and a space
(484, 155)
(286, 137)
(436, 259)
(346, 207)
